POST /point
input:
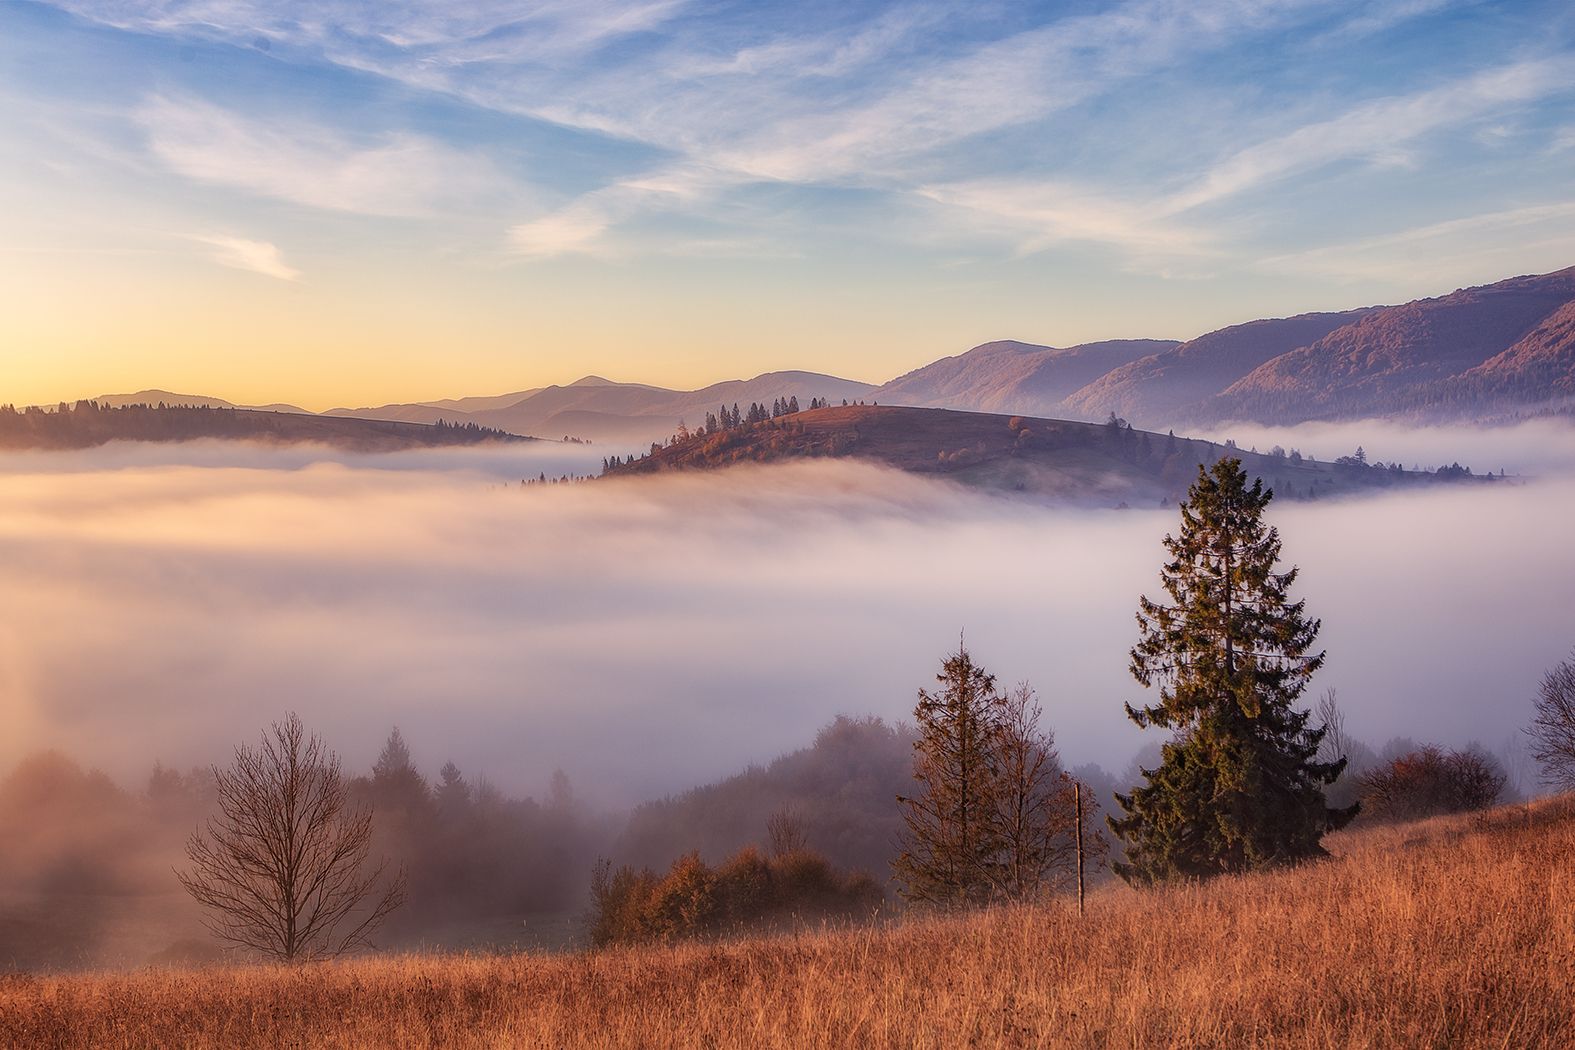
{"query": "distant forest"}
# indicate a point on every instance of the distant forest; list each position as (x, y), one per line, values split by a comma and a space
(88, 424)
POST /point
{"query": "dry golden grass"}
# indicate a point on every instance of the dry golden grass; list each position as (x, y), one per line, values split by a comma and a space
(1454, 933)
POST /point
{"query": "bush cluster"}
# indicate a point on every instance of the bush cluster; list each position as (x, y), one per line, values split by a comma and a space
(1431, 781)
(749, 890)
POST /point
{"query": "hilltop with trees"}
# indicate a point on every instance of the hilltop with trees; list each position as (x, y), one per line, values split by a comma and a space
(1100, 464)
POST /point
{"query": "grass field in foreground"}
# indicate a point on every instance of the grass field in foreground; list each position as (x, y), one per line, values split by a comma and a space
(1456, 932)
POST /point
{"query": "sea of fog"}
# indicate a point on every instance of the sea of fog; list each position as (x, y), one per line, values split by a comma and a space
(167, 601)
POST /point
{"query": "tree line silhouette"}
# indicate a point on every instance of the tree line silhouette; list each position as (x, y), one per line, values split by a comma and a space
(87, 424)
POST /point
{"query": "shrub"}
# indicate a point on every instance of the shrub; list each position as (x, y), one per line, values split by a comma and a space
(747, 890)
(1429, 781)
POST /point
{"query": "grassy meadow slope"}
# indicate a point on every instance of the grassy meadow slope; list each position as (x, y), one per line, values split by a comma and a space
(1455, 932)
(1054, 459)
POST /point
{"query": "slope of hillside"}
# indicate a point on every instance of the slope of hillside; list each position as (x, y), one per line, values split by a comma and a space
(1159, 390)
(1378, 363)
(1008, 376)
(1051, 459)
(1454, 932)
(1539, 370)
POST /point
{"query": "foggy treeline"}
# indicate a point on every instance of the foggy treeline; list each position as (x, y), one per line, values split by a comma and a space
(83, 855)
(841, 790)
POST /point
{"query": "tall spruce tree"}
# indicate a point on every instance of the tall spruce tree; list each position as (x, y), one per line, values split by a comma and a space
(1239, 786)
(951, 843)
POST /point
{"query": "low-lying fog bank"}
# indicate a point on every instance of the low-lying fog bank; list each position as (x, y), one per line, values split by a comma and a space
(648, 635)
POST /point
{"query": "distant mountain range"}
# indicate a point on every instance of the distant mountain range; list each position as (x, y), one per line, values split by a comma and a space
(607, 411)
(1009, 376)
(1497, 352)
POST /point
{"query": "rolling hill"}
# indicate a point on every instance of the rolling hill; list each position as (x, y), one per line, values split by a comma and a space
(1051, 459)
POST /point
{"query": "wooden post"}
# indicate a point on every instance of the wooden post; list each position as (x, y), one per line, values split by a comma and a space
(1077, 793)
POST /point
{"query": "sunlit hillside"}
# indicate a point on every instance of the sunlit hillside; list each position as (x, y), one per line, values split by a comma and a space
(1055, 459)
(1455, 932)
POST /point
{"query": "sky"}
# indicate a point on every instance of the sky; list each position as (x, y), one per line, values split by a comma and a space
(341, 202)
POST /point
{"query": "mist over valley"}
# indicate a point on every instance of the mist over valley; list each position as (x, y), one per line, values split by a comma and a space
(882, 525)
(647, 634)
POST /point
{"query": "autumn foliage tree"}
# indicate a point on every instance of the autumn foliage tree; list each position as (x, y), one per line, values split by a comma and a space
(1432, 780)
(1034, 809)
(952, 842)
(994, 817)
(1239, 785)
(749, 890)
(282, 868)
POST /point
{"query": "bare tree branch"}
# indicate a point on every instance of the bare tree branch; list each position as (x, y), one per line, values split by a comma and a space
(282, 868)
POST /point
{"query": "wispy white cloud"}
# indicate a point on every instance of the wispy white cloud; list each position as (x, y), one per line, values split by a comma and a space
(1473, 247)
(922, 107)
(1151, 225)
(581, 226)
(350, 32)
(892, 137)
(892, 101)
(257, 256)
(1035, 215)
(399, 175)
(1378, 129)
(1377, 18)
(758, 114)
(573, 230)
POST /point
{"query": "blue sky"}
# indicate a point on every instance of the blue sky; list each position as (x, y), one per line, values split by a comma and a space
(353, 200)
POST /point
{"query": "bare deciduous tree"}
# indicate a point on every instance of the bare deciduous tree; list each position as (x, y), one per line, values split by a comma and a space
(1033, 801)
(1552, 729)
(996, 818)
(785, 832)
(282, 868)
(1336, 742)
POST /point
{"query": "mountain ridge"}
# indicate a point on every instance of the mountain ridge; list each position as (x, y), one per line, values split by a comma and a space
(1012, 376)
(1486, 353)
